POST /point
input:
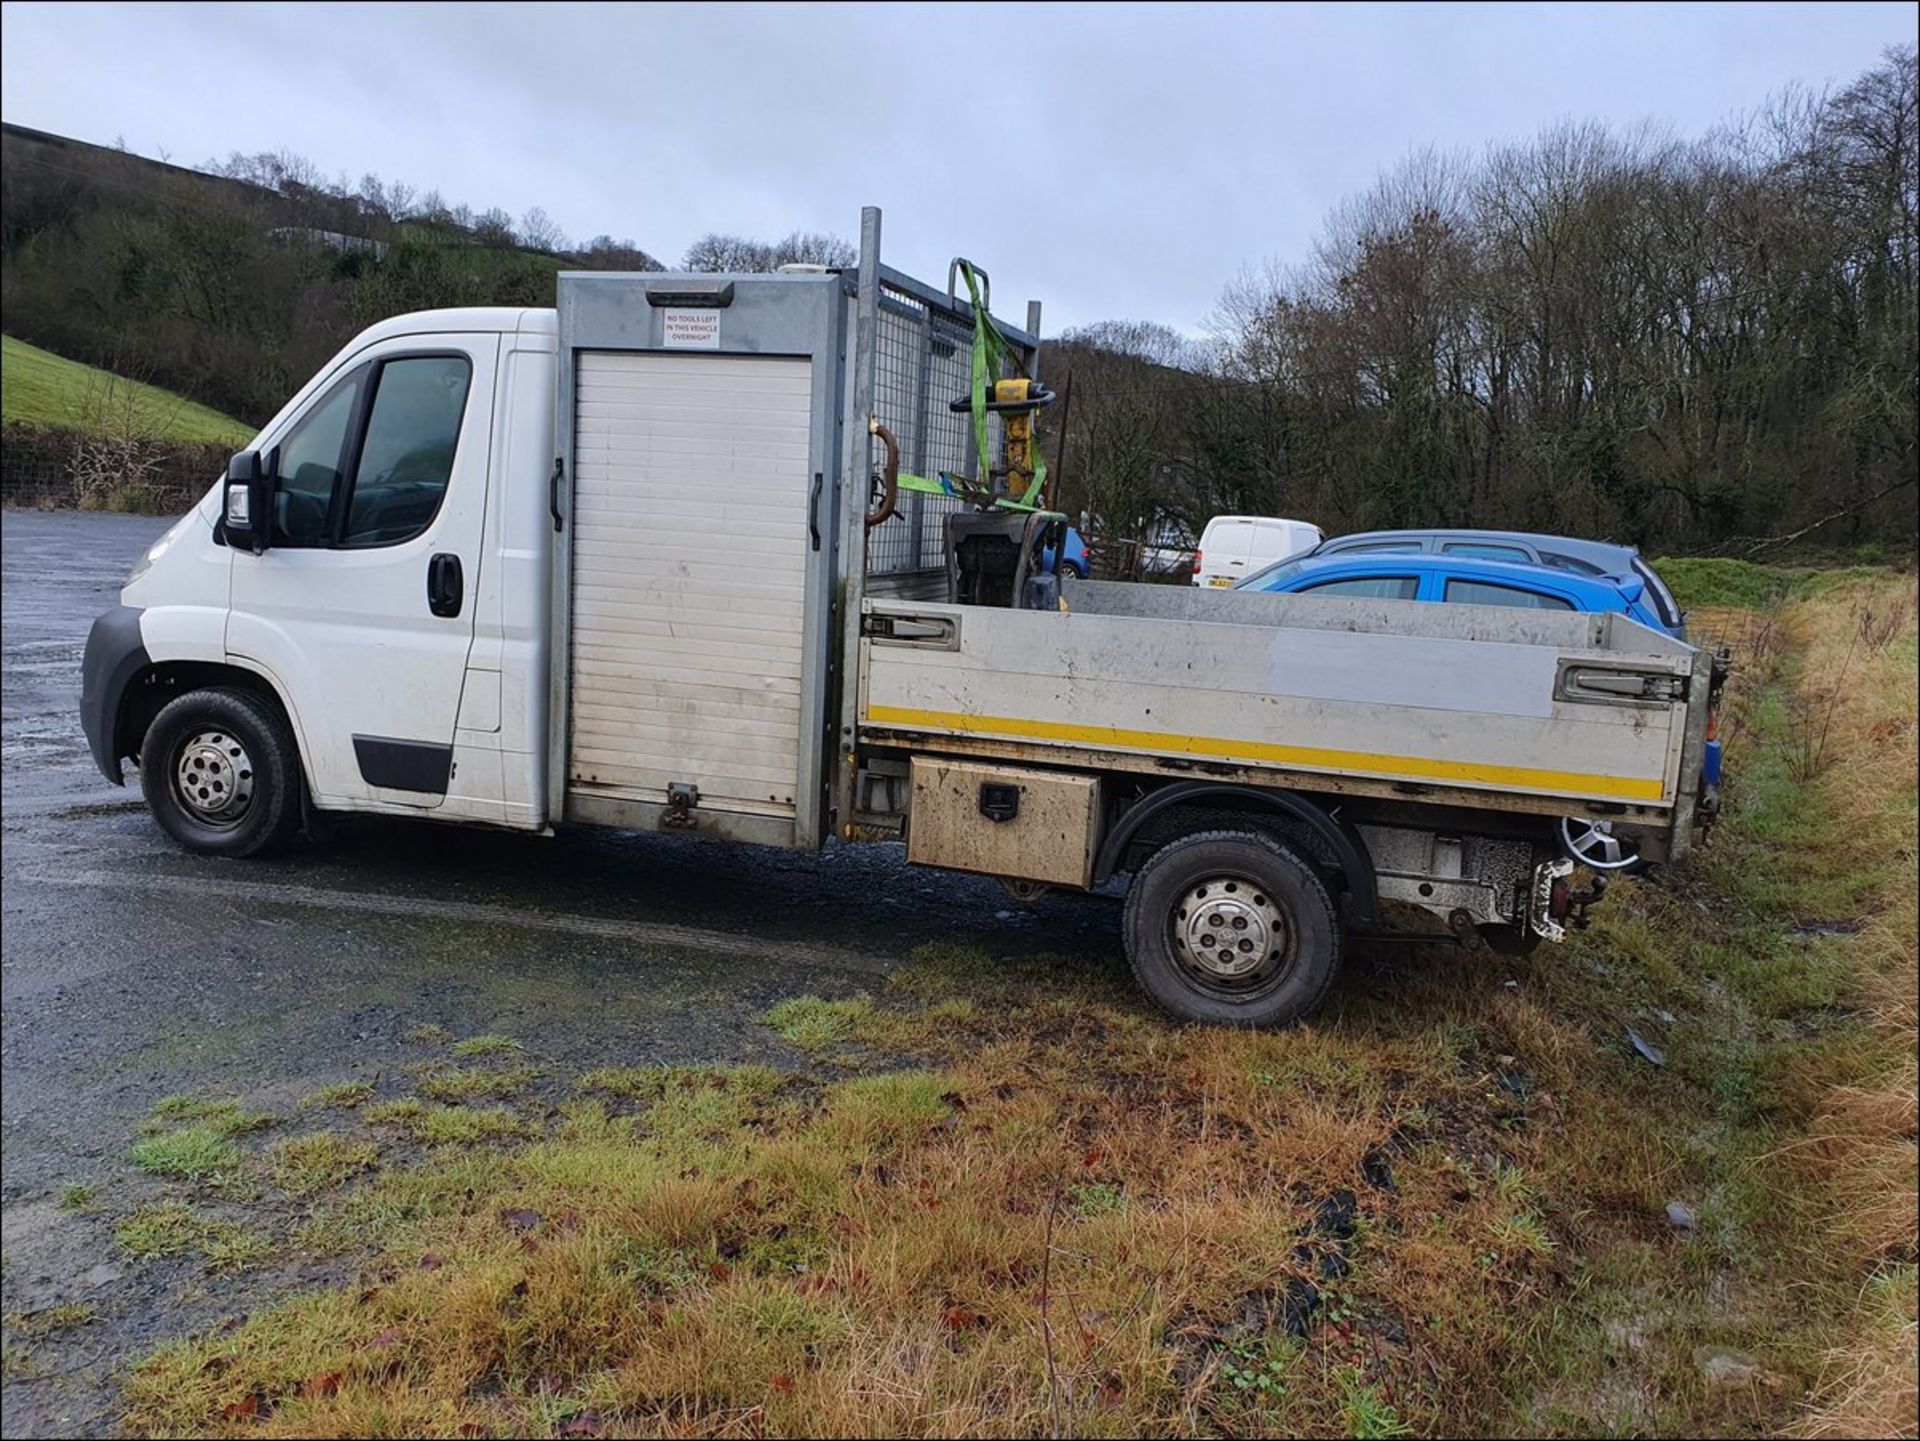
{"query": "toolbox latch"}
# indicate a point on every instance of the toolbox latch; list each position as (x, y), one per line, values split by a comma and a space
(999, 801)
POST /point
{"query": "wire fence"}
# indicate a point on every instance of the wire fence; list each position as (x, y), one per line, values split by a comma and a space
(53, 470)
(923, 362)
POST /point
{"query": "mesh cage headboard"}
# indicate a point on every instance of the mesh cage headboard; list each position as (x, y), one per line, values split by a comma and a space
(923, 361)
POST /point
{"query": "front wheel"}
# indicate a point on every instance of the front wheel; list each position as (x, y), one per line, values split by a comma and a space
(1232, 928)
(221, 773)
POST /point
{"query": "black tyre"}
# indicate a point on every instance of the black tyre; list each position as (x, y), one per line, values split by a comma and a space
(1232, 928)
(221, 773)
(1521, 940)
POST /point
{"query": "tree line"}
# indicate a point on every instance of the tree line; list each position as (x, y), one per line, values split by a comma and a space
(232, 283)
(1703, 343)
(1700, 344)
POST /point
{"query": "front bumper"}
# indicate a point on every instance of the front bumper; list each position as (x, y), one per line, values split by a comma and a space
(115, 655)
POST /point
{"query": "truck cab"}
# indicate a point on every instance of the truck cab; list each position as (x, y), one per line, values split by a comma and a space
(394, 612)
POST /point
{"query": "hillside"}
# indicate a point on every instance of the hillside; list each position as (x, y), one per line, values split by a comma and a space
(45, 391)
(233, 287)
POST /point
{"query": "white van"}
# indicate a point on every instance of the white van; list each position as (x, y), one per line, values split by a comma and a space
(614, 563)
(1233, 547)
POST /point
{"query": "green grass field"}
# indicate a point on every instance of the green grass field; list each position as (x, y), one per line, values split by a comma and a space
(41, 389)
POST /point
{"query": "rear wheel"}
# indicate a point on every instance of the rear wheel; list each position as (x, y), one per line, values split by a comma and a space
(1232, 928)
(221, 773)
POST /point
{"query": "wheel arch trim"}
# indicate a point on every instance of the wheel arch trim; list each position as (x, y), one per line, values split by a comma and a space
(209, 675)
(1340, 837)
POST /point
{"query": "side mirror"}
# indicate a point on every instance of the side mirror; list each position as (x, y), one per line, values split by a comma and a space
(247, 507)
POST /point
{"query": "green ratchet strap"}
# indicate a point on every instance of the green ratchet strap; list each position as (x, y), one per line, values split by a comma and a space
(990, 352)
(955, 487)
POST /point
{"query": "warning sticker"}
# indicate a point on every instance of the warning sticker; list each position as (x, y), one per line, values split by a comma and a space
(690, 329)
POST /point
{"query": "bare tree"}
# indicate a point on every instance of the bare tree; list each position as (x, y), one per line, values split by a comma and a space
(727, 254)
(603, 252)
(538, 232)
(811, 248)
(738, 255)
(494, 228)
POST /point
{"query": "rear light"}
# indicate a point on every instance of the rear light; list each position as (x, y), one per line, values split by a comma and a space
(1196, 562)
(1559, 900)
(1713, 725)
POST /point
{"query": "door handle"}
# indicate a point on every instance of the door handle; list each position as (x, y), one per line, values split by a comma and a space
(444, 585)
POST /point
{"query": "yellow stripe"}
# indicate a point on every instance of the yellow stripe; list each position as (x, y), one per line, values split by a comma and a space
(1314, 757)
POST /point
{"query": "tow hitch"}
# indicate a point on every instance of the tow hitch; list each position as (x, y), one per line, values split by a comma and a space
(1556, 905)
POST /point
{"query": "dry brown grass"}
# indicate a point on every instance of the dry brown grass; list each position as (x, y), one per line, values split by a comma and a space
(1859, 663)
(1008, 1200)
(743, 1251)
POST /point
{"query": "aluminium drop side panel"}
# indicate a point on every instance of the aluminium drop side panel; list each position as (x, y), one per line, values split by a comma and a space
(694, 568)
(1391, 694)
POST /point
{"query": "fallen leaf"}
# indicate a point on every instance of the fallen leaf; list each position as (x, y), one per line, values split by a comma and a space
(392, 1336)
(530, 1244)
(587, 1423)
(521, 1220)
(432, 1261)
(960, 1318)
(719, 1270)
(780, 1383)
(242, 1410)
(1093, 1157)
(324, 1384)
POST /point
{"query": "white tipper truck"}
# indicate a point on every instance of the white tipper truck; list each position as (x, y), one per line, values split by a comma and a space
(611, 564)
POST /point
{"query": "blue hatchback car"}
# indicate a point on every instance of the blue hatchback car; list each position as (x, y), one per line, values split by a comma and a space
(1460, 580)
(1075, 560)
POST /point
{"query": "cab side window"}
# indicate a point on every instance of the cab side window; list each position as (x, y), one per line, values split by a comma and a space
(309, 462)
(407, 455)
(368, 464)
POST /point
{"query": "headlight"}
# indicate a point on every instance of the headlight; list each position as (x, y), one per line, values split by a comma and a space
(144, 564)
(157, 549)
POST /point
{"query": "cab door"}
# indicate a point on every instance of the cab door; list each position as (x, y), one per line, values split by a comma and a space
(361, 610)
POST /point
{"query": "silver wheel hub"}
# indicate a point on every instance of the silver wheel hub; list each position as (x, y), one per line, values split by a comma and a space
(1228, 930)
(1594, 845)
(214, 777)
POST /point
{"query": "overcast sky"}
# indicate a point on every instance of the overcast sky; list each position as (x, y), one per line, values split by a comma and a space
(1112, 160)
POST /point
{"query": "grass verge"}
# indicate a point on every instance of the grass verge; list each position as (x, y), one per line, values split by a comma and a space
(1008, 1199)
